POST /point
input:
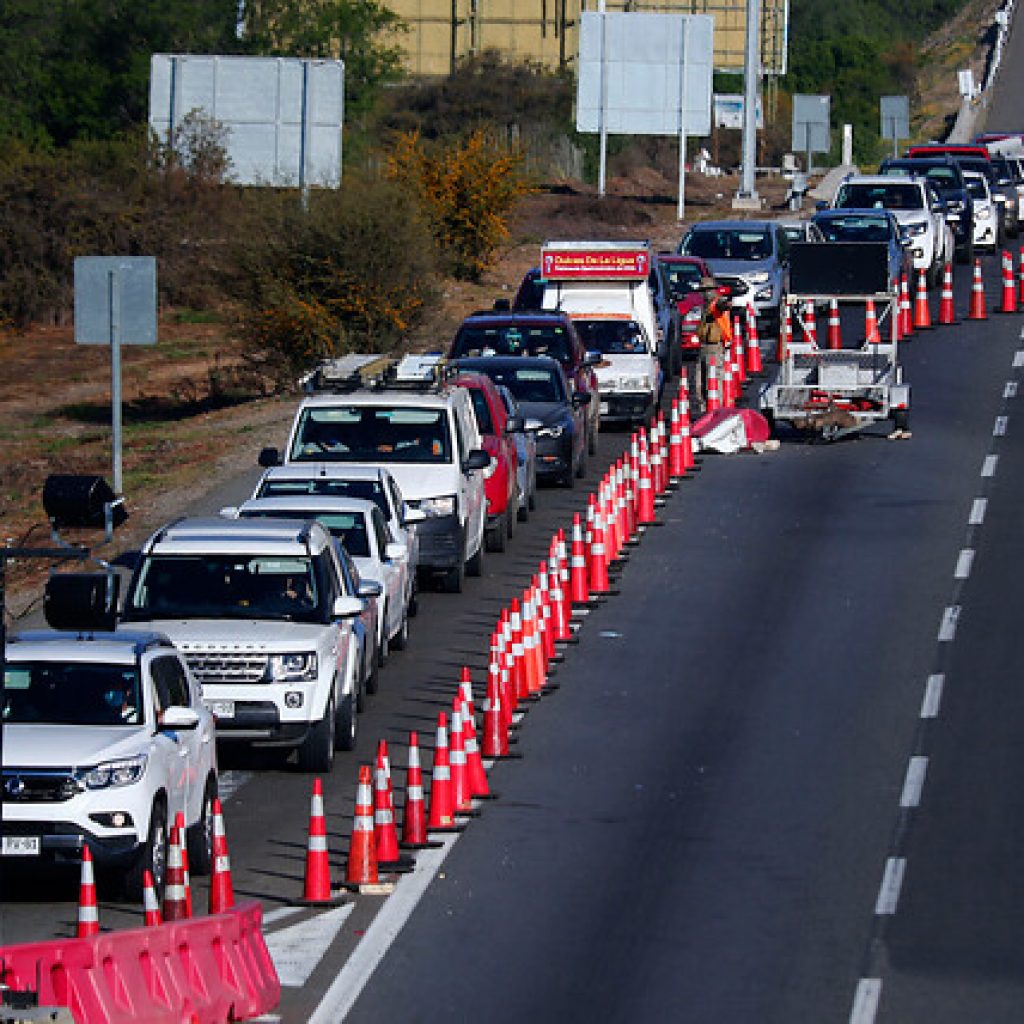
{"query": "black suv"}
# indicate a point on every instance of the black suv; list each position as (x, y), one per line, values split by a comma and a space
(533, 333)
(944, 175)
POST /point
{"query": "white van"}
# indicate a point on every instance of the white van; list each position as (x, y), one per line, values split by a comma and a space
(426, 435)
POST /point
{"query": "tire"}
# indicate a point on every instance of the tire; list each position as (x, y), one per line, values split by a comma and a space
(531, 501)
(475, 565)
(581, 469)
(345, 725)
(200, 835)
(152, 857)
(523, 511)
(384, 647)
(901, 419)
(452, 580)
(511, 516)
(401, 639)
(316, 752)
(371, 684)
(414, 600)
(495, 536)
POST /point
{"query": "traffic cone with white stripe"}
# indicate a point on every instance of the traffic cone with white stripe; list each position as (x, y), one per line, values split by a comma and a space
(175, 903)
(871, 332)
(922, 313)
(384, 828)
(1009, 301)
(150, 904)
(578, 565)
(361, 867)
(179, 829)
(739, 350)
(785, 336)
(906, 317)
(947, 312)
(222, 894)
(466, 689)
(755, 363)
(645, 503)
(414, 815)
(476, 774)
(316, 889)
(494, 741)
(88, 907)
(728, 384)
(462, 797)
(675, 443)
(714, 396)
(810, 323)
(835, 331)
(977, 309)
(1020, 297)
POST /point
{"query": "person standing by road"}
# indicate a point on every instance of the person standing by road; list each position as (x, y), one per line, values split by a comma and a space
(714, 334)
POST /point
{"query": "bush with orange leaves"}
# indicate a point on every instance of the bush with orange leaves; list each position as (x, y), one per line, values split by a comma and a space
(466, 190)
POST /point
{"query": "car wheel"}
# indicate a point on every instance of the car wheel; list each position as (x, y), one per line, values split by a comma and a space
(401, 639)
(384, 646)
(152, 857)
(452, 580)
(523, 508)
(475, 564)
(511, 516)
(316, 753)
(371, 684)
(901, 419)
(581, 469)
(495, 536)
(532, 500)
(200, 835)
(345, 725)
(414, 600)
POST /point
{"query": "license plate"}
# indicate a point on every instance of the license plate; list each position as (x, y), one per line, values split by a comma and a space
(221, 708)
(20, 846)
(604, 408)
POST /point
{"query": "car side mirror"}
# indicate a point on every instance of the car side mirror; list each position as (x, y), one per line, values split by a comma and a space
(514, 425)
(269, 457)
(476, 459)
(346, 607)
(533, 425)
(581, 398)
(394, 552)
(370, 588)
(179, 719)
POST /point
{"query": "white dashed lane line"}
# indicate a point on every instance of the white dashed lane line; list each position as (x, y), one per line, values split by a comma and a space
(892, 882)
(865, 1003)
(988, 467)
(978, 510)
(963, 564)
(999, 429)
(947, 628)
(1010, 391)
(933, 696)
(914, 782)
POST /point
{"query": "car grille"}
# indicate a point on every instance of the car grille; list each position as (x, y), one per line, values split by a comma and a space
(228, 668)
(38, 786)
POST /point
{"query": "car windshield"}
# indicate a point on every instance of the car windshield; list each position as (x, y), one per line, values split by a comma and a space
(348, 527)
(514, 340)
(683, 279)
(71, 693)
(367, 490)
(612, 337)
(482, 411)
(366, 433)
(885, 196)
(942, 177)
(216, 586)
(529, 383)
(728, 244)
(854, 228)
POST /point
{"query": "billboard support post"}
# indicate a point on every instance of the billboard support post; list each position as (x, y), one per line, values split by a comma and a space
(681, 206)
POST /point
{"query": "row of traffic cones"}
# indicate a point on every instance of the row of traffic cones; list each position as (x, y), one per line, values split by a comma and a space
(177, 900)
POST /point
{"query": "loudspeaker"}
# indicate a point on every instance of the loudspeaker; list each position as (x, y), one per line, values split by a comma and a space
(78, 500)
(82, 600)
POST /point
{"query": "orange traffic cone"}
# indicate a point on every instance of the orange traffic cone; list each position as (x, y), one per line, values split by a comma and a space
(675, 443)
(316, 890)
(559, 608)
(466, 689)
(414, 818)
(689, 461)
(598, 564)
(835, 336)
(645, 502)
(1009, 302)
(494, 742)
(361, 869)
(1021, 295)
(179, 827)
(442, 810)
(462, 798)
(906, 318)
(785, 336)
(88, 908)
(151, 905)
(977, 309)
(476, 774)
(222, 895)
(922, 314)
(580, 592)
(714, 397)
(810, 323)
(755, 363)
(871, 333)
(385, 831)
(947, 312)
(175, 901)
(739, 350)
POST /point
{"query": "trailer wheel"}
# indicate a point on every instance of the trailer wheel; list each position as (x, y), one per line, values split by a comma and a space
(901, 419)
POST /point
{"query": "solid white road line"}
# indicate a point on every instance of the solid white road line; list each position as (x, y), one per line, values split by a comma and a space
(892, 882)
(914, 782)
(865, 1002)
(999, 429)
(988, 467)
(964, 563)
(933, 696)
(978, 509)
(947, 628)
(384, 929)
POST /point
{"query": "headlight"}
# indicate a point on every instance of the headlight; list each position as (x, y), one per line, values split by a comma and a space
(292, 668)
(917, 228)
(124, 772)
(556, 431)
(442, 506)
(760, 278)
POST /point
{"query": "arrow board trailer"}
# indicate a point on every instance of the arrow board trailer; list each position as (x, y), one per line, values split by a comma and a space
(840, 391)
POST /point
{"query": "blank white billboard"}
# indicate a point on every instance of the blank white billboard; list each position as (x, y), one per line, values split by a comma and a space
(633, 69)
(282, 115)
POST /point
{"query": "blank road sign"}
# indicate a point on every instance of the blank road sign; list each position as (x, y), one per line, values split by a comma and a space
(895, 114)
(811, 124)
(115, 293)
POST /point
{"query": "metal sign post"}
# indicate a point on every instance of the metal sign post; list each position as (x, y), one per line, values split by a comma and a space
(115, 305)
(811, 126)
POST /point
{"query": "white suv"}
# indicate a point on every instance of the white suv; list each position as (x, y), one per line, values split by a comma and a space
(917, 208)
(260, 610)
(106, 739)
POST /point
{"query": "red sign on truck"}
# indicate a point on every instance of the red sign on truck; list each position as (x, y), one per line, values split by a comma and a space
(598, 264)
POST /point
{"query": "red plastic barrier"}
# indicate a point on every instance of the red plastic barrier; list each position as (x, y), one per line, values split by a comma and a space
(206, 970)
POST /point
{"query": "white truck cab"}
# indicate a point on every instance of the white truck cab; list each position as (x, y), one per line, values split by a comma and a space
(260, 610)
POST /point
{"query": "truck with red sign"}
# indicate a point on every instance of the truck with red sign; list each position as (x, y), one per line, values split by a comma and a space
(606, 287)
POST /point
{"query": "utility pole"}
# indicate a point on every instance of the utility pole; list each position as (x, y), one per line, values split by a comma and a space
(747, 197)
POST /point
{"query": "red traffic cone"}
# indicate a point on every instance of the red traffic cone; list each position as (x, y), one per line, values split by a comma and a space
(494, 742)
(361, 869)
(466, 689)
(175, 901)
(316, 889)
(462, 796)
(785, 336)
(906, 319)
(182, 833)
(151, 905)
(739, 350)
(714, 397)
(476, 774)
(871, 333)
(755, 363)
(922, 314)
(222, 895)
(442, 811)
(414, 818)
(580, 592)
(810, 323)
(88, 908)
(1021, 295)
(675, 443)
(598, 563)
(977, 309)
(1009, 302)
(835, 335)
(947, 312)
(385, 832)
(559, 606)
(645, 502)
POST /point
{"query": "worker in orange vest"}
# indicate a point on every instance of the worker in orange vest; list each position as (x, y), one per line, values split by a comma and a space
(714, 333)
